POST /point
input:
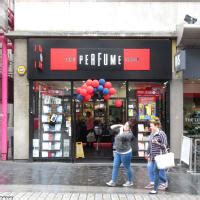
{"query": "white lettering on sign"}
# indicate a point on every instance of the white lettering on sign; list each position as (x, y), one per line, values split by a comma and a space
(92, 59)
(132, 59)
(69, 59)
(105, 59)
(86, 59)
(177, 60)
(80, 59)
(119, 60)
(100, 59)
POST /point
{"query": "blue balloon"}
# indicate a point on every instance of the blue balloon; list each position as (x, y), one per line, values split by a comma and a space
(101, 81)
(79, 97)
(100, 88)
(105, 91)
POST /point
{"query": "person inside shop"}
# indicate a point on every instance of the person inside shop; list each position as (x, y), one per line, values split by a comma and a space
(123, 153)
(81, 129)
(90, 129)
(157, 144)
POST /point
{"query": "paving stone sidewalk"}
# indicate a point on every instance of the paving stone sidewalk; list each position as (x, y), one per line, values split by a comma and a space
(44, 180)
(93, 196)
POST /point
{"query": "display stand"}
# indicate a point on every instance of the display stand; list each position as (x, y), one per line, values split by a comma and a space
(54, 134)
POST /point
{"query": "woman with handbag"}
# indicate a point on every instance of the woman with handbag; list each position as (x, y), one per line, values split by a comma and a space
(157, 146)
(122, 154)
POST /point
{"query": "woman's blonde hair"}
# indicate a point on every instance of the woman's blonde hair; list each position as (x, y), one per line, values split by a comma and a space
(156, 122)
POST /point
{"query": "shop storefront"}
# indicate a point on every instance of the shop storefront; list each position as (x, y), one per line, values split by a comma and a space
(191, 107)
(191, 92)
(138, 69)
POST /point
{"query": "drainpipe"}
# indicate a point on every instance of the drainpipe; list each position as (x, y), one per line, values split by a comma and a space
(4, 146)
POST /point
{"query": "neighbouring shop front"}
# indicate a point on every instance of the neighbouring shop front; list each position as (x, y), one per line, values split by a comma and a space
(191, 89)
(139, 71)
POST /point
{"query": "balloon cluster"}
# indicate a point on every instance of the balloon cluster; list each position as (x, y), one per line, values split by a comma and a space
(95, 89)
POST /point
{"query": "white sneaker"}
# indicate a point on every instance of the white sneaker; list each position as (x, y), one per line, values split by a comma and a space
(128, 184)
(111, 183)
(162, 186)
(153, 192)
(149, 186)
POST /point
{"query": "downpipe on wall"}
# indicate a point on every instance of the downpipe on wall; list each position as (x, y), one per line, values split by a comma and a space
(4, 125)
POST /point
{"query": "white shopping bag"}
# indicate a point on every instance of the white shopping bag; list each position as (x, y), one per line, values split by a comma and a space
(165, 161)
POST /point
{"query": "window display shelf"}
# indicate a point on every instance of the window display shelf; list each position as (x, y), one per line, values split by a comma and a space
(54, 138)
(143, 139)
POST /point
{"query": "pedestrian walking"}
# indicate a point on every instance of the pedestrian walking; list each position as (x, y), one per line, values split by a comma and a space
(157, 145)
(151, 176)
(122, 154)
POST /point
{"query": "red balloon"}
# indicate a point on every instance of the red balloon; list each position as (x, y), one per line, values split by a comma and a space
(78, 90)
(89, 82)
(87, 97)
(84, 86)
(108, 85)
(118, 103)
(83, 92)
(85, 100)
(95, 83)
(112, 91)
(90, 89)
(106, 97)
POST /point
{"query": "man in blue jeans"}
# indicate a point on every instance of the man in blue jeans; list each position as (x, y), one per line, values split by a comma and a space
(162, 174)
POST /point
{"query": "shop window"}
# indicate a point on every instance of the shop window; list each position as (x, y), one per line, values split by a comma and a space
(51, 109)
(145, 102)
(191, 107)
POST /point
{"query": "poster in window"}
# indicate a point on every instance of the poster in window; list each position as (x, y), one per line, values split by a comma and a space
(147, 107)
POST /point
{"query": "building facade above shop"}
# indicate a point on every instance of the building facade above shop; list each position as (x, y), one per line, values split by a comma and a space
(188, 36)
(145, 18)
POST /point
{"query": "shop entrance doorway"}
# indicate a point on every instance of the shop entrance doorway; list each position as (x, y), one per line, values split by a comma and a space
(93, 121)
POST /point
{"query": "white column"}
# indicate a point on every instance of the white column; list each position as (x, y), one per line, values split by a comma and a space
(21, 103)
(176, 116)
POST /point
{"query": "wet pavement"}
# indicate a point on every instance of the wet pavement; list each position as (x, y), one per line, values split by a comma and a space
(56, 177)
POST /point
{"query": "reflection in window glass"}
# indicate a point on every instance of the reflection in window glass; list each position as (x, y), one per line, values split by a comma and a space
(191, 107)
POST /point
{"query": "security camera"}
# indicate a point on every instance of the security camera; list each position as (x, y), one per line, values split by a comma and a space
(190, 20)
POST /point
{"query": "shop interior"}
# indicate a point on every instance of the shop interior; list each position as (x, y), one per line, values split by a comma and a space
(67, 128)
(191, 108)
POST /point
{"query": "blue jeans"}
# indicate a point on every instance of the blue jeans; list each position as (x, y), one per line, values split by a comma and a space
(150, 171)
(126, 160)
(158, 178)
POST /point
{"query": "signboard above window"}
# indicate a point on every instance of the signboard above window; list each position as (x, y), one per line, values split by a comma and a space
(99, 59)
(113, 59)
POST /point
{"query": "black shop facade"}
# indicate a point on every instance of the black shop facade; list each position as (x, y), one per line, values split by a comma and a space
(76, 83)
